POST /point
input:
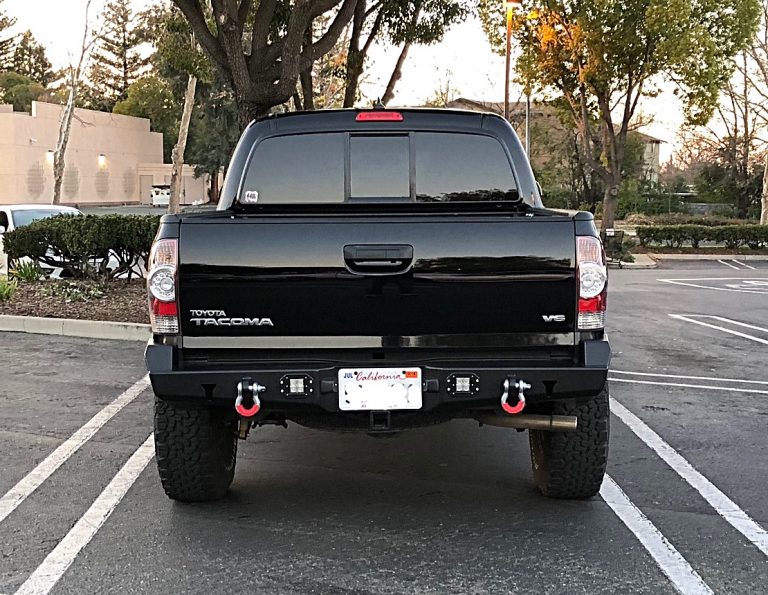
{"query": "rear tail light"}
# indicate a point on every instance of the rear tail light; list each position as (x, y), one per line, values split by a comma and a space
(593, 280)
(161, 287)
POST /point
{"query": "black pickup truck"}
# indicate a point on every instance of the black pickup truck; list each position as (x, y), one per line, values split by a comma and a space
(378, 270)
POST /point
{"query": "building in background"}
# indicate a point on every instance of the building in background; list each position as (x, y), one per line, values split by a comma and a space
(111, 159)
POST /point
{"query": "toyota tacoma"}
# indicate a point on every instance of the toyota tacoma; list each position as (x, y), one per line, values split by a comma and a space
(378, 270)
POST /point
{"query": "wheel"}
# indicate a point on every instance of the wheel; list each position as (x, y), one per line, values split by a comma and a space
(196, 451)
(572, 464)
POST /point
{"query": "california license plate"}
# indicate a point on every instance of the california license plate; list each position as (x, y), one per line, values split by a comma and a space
(379, 389)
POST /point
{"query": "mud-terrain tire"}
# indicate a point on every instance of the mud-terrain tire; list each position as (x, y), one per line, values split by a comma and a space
(572, 464)
(196, 450)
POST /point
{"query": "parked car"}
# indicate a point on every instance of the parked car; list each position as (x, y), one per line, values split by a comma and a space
(14, 216)
(378, 270)
(160, 195)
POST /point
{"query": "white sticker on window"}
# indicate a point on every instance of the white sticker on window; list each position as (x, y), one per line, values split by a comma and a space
(251, 197)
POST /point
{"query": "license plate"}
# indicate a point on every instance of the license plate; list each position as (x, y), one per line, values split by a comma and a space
(379, 389)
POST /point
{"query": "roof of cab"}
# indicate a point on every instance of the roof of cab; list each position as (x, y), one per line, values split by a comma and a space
(345, 118)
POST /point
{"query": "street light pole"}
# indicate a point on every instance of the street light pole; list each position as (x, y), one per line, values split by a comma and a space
(510, 6)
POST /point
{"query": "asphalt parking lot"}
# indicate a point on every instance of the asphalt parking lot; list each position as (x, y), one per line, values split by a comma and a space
(448, 509)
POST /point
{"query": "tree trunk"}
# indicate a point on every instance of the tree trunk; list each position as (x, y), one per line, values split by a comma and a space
(65, 126)
(389, 93)
(213, 195)
(610, 203)
(397, 72)
(177, 156)
(355, 57)
(248, 111)
(764, 210)
(307, 89)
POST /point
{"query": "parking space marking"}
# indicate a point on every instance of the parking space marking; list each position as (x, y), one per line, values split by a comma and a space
(720, 328)
(45, 577)
(713, 378)
(734, 322)
(745, 265)
(728, 264)
(677, 569)
(28, 484)
(749, 285)
(722, 504)
(686, 385)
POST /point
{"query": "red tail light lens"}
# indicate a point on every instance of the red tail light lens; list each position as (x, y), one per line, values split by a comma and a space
(161, 287)
(379, 117)
(593, 280)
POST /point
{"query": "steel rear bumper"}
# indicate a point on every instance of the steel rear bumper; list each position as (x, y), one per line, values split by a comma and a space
(219, 386)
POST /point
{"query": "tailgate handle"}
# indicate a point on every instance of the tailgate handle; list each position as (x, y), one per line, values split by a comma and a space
(378, 259)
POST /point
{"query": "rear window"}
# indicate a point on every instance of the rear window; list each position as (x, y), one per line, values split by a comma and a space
(345, 167)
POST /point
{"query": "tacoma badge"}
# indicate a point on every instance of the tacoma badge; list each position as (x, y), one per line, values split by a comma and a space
(220, 318)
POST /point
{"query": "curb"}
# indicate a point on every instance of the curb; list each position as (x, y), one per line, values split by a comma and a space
(642, 261)
(68, 327)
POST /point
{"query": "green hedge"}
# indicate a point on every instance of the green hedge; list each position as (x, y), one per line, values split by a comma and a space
(82, 245)
(733, 236)
(683, 219)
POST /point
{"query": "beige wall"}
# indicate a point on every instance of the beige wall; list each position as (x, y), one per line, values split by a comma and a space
(26, 169)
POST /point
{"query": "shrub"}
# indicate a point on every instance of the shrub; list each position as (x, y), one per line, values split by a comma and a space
(7, 288)
(75, 291)
(27, 271)
(81, 245)
(733, 236)
(684, 219)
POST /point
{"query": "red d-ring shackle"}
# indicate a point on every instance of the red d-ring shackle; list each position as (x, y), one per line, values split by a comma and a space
(247, 411)
(520, 405)
(513, 410)
(244, 388)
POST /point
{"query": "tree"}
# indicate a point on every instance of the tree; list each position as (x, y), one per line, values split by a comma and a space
(152, 97)
(19, 91)
(117, 63)
(262, 47)
(214, 132)
(65, 125)
(758, 53)
(399, 22)
(603, 57)
(177, 155)
(6, 41)
(445, 92)
(30, 59)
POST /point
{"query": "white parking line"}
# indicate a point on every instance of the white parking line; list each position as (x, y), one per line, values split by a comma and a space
(29, 483)
(737, 289)
(45, 577)
(677, 569)
(728, 264)
(745, 265)
(734, 322)
(722, 504)
(719, 328)
(686, 385)
(713, 378)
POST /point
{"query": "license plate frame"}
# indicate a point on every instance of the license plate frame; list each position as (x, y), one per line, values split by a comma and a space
(380, 389)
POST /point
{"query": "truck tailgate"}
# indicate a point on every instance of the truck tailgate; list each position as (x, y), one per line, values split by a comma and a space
(360, 281)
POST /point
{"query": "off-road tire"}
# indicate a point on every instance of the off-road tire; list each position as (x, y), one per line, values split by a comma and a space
(196, 451)
(572, 464)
